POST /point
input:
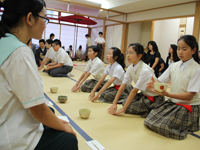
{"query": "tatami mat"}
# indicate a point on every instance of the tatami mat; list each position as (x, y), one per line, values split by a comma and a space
(121, 132)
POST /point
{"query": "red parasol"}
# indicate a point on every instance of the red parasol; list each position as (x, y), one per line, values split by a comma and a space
(77, 19)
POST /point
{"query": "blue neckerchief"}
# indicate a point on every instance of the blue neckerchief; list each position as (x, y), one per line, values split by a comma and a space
(7, 45)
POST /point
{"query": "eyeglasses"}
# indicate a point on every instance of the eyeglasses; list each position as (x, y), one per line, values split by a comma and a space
(129, 53)
(46, 20)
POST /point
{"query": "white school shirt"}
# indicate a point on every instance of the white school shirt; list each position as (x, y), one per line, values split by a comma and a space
(79, 53)
(21, 88)
(89, 42)
(170, 62)
(115, 70)
(95, 67)
(51, 54)
(63, 57)
(100, 40)
(192, 80)
(70, 51)
(141, 74)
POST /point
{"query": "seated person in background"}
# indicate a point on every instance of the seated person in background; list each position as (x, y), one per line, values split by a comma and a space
(162, 66)
(69, 51)
(79, 53)
(50, 55)
(40, 52)
(63, 65)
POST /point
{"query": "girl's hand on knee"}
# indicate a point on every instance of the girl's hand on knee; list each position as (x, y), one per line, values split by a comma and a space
(68, 129)
(64, 122)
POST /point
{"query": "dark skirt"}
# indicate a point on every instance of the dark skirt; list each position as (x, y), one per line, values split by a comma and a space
(60, 71)
(90, 84)
(173, 121)
(109, 94)
(141, 105)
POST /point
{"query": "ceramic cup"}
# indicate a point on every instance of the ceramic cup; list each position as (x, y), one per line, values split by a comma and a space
(84, 113)
(62, 98)
(54, 89)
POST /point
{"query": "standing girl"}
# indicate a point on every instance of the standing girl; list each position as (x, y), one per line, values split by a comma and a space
(22, 102)
(172, 56)
(116, 71)
(137, 103)
(154, 57)
(95, 67)
(179, 115)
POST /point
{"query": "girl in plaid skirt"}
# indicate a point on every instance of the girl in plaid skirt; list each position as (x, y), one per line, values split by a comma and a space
(137, 103)
(180, 114)
(116, 71)
(95, 67)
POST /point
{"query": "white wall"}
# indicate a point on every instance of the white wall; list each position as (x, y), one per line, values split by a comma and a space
(166, 33)
(190, 25)
(113, 38)
(139, 33)
(134, 35)
(109, 40)
(174, 11)
(99, 23)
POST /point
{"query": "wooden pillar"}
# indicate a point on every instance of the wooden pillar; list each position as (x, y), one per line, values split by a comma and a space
(196, 27)
(152, 30)
(104, 36)
(89, 31)
(124, 39)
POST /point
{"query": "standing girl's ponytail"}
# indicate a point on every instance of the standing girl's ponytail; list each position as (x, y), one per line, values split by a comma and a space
(120, 56)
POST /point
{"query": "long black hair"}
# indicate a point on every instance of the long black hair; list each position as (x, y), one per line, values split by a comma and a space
(191, 41)
(14, 10)
(139, 49)
(120, 56)
(175, 56)
(154, 45)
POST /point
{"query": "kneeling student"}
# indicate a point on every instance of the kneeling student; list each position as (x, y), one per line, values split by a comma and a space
(116, 71)
(63, 65)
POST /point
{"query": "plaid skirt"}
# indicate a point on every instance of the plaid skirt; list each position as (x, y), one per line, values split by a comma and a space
(109, 94)
(141, 105)
(90, 84)
(173, 121)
